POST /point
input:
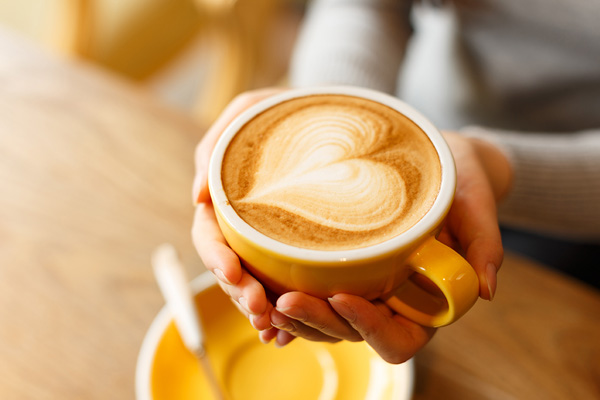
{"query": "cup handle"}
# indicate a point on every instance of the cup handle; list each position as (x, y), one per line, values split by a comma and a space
(452, 274)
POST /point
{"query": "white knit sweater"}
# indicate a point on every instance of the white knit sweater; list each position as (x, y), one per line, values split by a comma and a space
(535, 69)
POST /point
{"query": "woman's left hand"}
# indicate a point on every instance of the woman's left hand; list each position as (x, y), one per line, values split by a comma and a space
(483, 177)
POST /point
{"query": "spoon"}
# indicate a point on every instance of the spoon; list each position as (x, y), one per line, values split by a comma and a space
(173, 284)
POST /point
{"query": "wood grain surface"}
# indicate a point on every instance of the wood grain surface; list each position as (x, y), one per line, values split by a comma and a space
(538, 339)
(94, 174)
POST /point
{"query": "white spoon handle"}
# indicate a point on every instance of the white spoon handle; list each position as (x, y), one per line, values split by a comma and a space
(173, 283)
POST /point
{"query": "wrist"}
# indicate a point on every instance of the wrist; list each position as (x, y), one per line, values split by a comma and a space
(496, 165)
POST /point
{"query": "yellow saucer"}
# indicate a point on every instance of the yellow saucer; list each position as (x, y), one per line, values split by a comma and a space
(250, 370)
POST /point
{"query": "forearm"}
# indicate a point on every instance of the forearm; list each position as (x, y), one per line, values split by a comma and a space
(556, 181)
(357, 43)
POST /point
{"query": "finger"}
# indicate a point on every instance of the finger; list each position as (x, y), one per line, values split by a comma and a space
(237, 305)
(218, 258)
(260, 322)
(212, 247)
(473, 221)
(393, 337)
(299, 329)
(316, 314)
(207, 144)
(283, 338)
(447, 238)
(239, 295)
(250, 295)
(267, 335)
(473, 218)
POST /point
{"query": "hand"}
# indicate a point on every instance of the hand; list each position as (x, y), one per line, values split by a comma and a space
(307, 317)
(483, 177)
(348, 317)
(247, 294)
(395, 338)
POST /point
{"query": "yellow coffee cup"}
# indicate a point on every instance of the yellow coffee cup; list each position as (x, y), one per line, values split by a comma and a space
(381, 270)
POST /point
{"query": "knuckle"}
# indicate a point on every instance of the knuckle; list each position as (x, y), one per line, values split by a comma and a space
(289, 327)
(320, 326)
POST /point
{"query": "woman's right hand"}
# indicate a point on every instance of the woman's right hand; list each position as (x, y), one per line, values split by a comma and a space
(316, 320)
(245, 291)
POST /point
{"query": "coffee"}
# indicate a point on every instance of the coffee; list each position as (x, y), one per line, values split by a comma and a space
(331, 172)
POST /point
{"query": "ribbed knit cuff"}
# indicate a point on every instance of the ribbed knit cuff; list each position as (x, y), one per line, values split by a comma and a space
(556, 186)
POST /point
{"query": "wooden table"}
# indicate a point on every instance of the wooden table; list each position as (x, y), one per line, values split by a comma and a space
(94, 174)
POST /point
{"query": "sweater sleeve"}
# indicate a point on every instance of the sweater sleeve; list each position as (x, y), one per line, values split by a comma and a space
(556, 187)
(358, 42)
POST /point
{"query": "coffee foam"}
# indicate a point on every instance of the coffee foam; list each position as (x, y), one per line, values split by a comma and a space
(331, 172)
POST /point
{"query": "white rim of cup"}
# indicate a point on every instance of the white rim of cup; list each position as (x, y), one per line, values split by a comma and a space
(437, 212)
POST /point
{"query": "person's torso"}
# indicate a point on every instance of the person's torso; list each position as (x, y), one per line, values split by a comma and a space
(536, 62)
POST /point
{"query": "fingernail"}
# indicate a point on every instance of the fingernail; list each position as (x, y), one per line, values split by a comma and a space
(284, 326)
(491, 279)
(244, 303)
(267, 335)
(293, 312)
(279, 322)
(221, 276)
(343, 309)
(252, 318)
(263, 339)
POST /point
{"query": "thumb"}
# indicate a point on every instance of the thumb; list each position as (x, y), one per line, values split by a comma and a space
(205, 147)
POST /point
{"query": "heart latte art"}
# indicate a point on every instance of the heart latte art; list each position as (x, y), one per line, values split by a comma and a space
(331, 172)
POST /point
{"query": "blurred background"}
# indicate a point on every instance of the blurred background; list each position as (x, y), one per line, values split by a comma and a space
(79, 218)
(197, 55)
(194, 54)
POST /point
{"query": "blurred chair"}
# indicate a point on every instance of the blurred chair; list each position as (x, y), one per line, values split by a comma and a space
(137, 38)
(239, 30)
(198, 53)
(56, 24)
